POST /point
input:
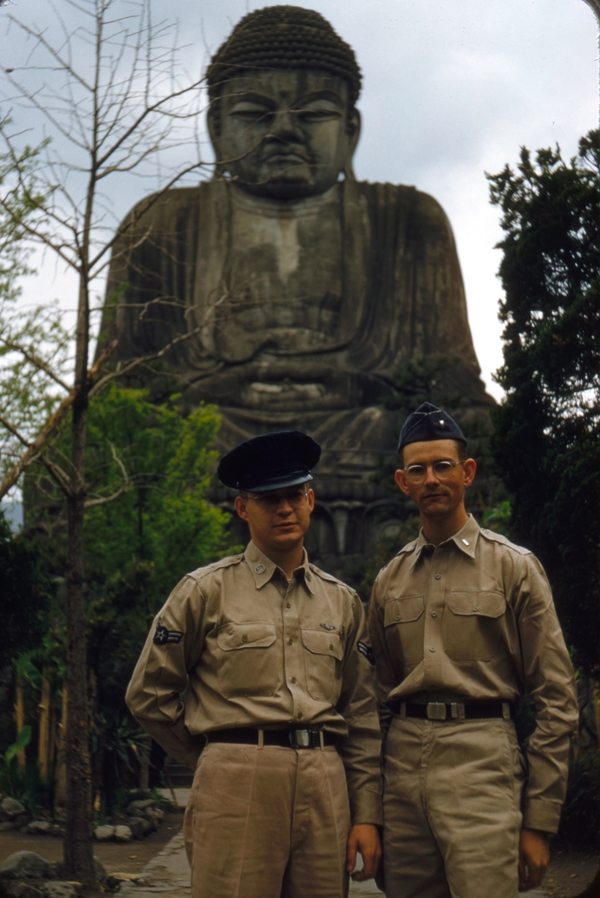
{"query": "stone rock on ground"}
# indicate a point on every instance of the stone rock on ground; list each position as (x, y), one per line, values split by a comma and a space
(24, 889)
(6, 825)
(11, 807)
(140, 805)
(104, 833)
(24, 865)
(39, 828)
(137, 827)
(59, 890)
(123, 834)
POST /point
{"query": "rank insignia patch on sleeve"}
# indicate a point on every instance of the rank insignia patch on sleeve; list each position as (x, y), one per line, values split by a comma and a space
(162, 636)
(367, 651)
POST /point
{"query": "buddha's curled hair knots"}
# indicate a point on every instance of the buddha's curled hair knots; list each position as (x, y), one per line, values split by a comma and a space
(287, 37)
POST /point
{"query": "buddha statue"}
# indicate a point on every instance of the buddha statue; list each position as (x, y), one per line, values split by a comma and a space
(300, 291)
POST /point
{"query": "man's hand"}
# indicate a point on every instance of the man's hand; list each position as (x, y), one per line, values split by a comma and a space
(364, 838)
(534, 857)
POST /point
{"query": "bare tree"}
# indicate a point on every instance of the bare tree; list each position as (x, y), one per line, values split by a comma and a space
(113, 103)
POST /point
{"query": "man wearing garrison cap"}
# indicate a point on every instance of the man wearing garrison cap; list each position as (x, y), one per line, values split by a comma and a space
(462, 625)
(256, 673)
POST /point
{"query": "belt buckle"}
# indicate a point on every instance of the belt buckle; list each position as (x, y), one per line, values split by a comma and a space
(299, 738)
(436, 711)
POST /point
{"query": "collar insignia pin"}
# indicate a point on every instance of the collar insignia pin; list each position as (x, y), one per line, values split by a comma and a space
(466, 542)
(260, 568)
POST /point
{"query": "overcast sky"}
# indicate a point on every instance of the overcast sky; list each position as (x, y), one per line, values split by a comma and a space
(451, 89)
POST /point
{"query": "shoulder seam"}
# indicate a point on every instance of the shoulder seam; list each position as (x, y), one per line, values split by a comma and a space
(499, 538)
(202, 572)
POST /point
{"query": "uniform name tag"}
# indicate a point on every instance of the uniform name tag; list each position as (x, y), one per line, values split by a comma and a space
(162, 636)
(367, 651)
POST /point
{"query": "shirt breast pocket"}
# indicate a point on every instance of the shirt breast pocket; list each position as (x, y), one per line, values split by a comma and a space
(474, 624)
(404, 627)
(323, 655)
(247, 658)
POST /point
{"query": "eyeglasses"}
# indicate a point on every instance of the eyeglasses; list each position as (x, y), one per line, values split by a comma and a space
(272, 501)
(442, 470)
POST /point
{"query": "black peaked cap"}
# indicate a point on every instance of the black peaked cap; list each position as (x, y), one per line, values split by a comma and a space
(270, 462)
(428, 423)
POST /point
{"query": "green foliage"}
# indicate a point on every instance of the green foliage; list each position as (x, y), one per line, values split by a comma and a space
(32, 339)
(25, 595)
(165, 458)
(547, 430)
(10, 776)
(140, 544)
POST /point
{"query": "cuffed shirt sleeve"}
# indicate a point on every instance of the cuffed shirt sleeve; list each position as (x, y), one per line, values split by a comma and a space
(549, 678)
(154, 695)
(361, 751)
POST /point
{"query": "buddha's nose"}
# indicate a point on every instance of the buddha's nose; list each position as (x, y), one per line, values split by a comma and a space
(285, 125)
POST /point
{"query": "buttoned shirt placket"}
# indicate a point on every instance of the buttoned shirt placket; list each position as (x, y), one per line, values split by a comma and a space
(436, 559)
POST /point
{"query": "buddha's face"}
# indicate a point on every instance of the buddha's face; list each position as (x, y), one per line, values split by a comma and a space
(284, 134)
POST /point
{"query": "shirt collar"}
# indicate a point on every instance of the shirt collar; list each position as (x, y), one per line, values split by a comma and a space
(465, 540)
(263, 569)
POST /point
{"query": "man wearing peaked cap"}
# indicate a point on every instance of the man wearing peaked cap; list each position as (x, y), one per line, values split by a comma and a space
(257, 674)
(462, 624)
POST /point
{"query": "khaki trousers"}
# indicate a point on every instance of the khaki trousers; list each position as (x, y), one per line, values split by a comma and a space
(452, 817)
(268, 822)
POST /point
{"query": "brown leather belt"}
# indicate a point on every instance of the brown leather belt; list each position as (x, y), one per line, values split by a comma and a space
(292, 738)
(453, 710)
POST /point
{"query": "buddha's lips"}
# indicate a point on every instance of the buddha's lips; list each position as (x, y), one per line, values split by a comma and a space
(283, 156)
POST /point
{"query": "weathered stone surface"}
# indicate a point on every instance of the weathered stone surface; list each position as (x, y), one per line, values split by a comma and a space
(136, 825)
(6, 825)
(156, 813)
(22, 820)
(24, 865)
(24, 889)
(59, 889)
(104, 833)
(147, 827)
(303, 308)
(39, 828)
(140, 805)
(11, 807)
(123, 834)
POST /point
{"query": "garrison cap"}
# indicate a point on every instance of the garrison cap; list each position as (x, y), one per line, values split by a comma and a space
(428, 423)
(270, 462)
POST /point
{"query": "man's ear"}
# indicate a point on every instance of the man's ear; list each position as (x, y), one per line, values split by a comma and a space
(470, 469)
(240, 507)
(400, 478)
(353, 125)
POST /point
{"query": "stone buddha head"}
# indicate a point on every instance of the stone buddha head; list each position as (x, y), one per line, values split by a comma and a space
(282, 115)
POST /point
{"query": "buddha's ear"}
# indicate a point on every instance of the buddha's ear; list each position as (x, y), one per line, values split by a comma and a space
(353, 125)
(213, 123)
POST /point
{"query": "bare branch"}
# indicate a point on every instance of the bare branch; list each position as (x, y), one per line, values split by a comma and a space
(35, 361)
(54, 419)
(104, 500)
(14, 431)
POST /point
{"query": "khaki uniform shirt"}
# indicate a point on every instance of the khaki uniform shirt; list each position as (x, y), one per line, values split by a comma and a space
(236, 645)
(473, 619)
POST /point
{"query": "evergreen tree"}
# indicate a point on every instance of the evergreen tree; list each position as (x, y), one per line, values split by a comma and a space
(547, 429)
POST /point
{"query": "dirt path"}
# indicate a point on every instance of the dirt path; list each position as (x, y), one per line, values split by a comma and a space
(130, 857)
(569, 873)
